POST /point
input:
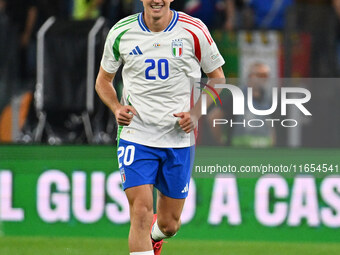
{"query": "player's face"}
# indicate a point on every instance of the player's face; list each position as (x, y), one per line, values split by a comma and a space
(156, 8)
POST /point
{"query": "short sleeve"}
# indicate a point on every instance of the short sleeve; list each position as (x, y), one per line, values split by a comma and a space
(111, 59)
(211, 57)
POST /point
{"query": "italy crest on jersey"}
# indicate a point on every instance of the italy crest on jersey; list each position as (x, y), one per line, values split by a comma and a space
(177, 48)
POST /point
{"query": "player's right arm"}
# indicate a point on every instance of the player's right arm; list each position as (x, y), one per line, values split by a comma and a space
(108, 95)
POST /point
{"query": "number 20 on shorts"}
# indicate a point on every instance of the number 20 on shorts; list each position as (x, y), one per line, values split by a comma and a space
(127, 153)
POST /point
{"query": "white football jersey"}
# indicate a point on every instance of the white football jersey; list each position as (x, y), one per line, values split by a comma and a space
(156, 74)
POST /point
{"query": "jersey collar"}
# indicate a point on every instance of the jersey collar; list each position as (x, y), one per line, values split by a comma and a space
(171, 25)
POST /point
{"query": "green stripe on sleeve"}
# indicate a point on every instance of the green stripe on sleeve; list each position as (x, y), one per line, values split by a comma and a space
(115, 46)
(120, 128)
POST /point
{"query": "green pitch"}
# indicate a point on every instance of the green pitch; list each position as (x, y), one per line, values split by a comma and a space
(102, 246)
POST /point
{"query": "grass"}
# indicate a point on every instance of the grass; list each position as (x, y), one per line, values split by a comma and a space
(106, 246)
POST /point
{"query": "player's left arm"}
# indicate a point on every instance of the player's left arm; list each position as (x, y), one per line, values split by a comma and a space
(188, 120)
(211, 63)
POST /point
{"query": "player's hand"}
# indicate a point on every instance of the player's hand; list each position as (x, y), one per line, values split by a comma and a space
(187, 121)
(124, 114)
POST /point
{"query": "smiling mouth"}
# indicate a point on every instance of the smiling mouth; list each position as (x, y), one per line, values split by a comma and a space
(156, 7)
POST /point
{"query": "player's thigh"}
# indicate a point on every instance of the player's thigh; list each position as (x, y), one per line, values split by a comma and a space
(169, 209)
(140, 200)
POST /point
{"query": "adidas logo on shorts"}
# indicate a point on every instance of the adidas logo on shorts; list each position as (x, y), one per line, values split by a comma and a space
(186, 188)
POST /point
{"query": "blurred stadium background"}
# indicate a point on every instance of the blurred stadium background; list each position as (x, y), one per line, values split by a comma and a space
(59, 181)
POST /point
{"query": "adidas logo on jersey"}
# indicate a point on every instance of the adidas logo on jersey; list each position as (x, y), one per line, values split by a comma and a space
(186, 188)
(136, 51)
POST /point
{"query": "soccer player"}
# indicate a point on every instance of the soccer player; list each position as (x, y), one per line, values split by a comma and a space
(161, 49)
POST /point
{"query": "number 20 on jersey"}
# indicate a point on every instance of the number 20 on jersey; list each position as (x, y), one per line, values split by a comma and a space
(161, 66)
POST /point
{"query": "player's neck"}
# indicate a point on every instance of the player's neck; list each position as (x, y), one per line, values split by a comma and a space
(158, 24)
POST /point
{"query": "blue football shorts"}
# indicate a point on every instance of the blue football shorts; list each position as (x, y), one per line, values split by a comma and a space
(168, 169)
